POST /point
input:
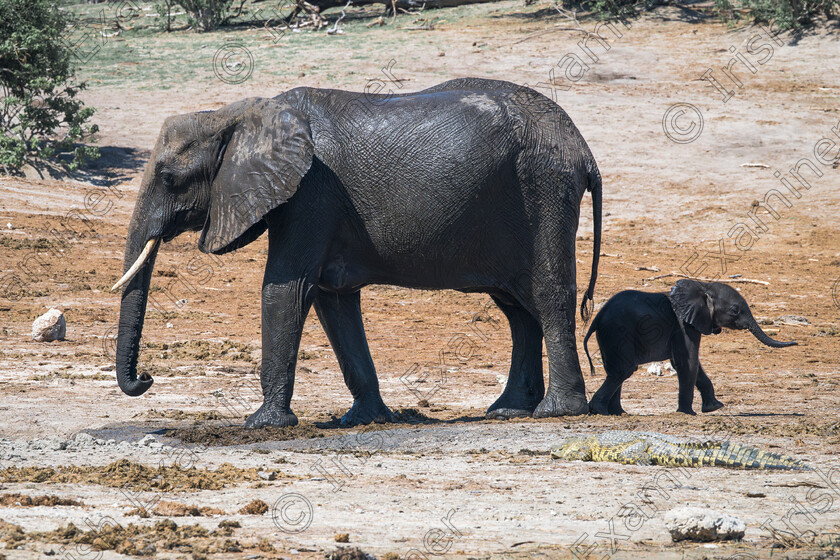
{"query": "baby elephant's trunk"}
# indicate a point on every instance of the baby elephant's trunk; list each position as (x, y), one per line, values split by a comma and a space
(763, 338)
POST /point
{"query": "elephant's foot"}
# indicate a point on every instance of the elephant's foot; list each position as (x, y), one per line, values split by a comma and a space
(712, 406)
(555, 404)
(598, 407)
(271, 415)
(507, 413)
(365, 411)
(689, 411)
(510, 405)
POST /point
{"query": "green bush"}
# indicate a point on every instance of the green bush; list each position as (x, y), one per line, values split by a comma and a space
(783, 14)
(207, 15)
(612, 9)
(40, 116)
(164, 13)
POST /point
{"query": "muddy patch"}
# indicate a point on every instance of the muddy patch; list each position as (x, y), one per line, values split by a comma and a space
(216, 434)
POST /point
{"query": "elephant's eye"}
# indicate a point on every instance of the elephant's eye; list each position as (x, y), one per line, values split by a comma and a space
(735, 310)
(166, 179)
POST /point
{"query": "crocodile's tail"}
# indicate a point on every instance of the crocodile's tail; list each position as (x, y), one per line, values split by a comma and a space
(726, 454)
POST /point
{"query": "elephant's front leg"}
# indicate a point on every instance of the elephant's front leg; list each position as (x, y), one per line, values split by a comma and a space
(285, 305)
(685, 359)
(707, 391)
(341, 317)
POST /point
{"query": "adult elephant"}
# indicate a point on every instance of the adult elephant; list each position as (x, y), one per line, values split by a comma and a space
(473, 185)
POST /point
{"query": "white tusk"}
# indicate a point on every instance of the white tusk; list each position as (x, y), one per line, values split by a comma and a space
(151, 245)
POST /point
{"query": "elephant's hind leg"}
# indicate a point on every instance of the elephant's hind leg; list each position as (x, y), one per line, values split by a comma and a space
(525, 387)
(607, 399)
(341, 317)
(566, 393)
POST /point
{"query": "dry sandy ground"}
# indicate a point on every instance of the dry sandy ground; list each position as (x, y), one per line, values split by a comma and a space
(444, 481)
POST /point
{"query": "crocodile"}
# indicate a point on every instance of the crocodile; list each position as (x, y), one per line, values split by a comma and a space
(651, 448)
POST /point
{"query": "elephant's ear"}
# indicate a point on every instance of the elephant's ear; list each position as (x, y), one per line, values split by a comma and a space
(266, 149)
(692, 304)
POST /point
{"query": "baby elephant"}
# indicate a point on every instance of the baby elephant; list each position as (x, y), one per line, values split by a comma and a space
(635, 328)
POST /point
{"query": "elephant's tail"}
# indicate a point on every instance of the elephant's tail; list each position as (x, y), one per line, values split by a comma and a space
(591, 330)
(588, 302)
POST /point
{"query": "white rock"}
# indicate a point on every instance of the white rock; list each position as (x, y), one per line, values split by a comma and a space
(49, 326)
(84, 440)
(793, 320)
(699, 524)
(147, 441)
(661, 368)
(10, 226)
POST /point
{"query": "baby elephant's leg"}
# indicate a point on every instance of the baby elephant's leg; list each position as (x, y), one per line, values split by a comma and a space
(607, 399)
(707, 392)
(615, 403)
(685, 346)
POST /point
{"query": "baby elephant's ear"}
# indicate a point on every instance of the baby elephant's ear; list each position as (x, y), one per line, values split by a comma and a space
(691, 304)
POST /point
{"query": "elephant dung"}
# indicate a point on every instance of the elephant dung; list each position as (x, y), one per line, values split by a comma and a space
(49, 326)
(699, 524)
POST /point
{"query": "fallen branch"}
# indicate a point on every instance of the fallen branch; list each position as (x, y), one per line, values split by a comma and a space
(729, 280)
(335, 29)
(554, 29)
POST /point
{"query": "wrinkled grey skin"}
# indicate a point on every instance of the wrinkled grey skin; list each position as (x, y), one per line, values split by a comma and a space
(635, 328)
(473, 185)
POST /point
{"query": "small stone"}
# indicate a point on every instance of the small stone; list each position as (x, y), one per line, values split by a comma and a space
(266, 475)
(793, 320)
(49, 327)
(661, 368)
(699, 524)
(169, 325)
(147, 441)
(57, 444)
(10, 226)
(84, 440)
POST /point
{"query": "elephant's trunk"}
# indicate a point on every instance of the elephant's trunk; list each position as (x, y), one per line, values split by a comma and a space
(752, 325)
(140, 259)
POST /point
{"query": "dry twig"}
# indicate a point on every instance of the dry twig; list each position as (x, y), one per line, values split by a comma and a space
(727, 280)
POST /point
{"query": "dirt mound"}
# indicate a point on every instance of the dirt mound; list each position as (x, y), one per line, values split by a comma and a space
(165, 508)
(127, 474)
(132, 539)
(255, 507)
(22, 500)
